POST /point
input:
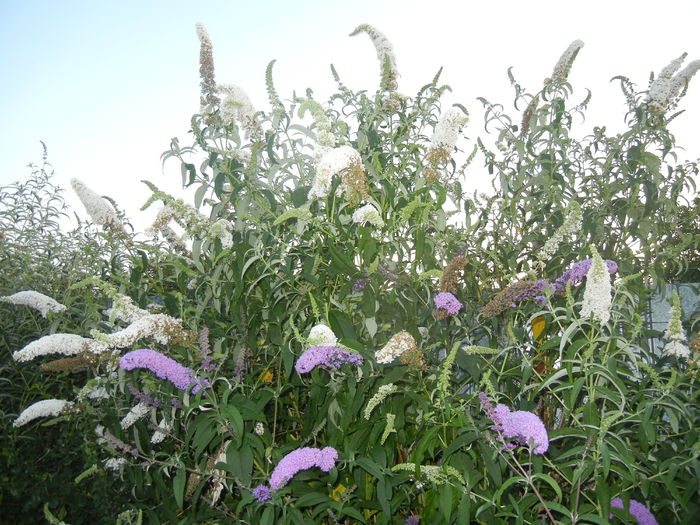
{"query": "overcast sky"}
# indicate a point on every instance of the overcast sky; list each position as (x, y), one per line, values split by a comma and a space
(107, 84)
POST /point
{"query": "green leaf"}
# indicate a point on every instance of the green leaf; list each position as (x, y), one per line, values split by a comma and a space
(179, 486)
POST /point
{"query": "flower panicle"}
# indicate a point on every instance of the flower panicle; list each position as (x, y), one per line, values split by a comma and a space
(676, 345)
(525, 428)
(562, 68)
(300, 459)
(44, 408)
(597, 297)
(206, 70)
(667, 88)
(43, 303)
(397, 345)
(637, 510)
(326, 356)
(382, 393)
(181, 377)
(385, 54)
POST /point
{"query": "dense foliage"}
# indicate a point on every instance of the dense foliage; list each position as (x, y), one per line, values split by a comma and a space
(339, 333)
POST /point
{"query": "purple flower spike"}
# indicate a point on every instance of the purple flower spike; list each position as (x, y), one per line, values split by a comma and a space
(413, 520)
(448, 302)
(302, 459)
(327, 356)
(577, 272)
(360, 284)
(524, 427)
(642, 514)
(163, 367)
(261, 493)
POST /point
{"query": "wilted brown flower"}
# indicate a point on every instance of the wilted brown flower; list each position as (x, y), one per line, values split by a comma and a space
(507, 298)
(68, 364)
(450, 276)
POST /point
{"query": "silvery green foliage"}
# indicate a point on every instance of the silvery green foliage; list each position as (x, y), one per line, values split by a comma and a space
(340, 304)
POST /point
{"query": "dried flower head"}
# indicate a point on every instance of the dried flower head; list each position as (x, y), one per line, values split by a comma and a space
(508, 297)
(413, 359)
(450, 275)
(67, 364)
(206, 71)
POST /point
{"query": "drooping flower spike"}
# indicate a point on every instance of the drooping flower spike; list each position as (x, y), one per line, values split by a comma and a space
(163, 367)
(36, 300)
(326, 356)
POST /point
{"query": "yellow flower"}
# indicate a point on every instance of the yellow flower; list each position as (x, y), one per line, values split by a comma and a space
(267, 377)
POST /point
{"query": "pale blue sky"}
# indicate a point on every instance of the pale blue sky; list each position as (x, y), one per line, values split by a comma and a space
(107, 84)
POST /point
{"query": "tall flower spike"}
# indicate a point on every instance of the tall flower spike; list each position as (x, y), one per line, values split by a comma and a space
(206, 70)
(36, 300)
(385, 54)
(98, 209)
(674, 332)
(323, 124)
(563, 66)
(571, 225)
(597, 296)
(666, 87)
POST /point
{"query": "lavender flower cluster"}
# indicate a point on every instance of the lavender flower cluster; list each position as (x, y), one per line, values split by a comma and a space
(642, 514)
(525, 427)
(163, 367)
(290, 465)
(577, 272)
(448, 302)
(327, 356)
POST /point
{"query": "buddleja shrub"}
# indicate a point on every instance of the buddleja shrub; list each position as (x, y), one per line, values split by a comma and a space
(326, 339)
